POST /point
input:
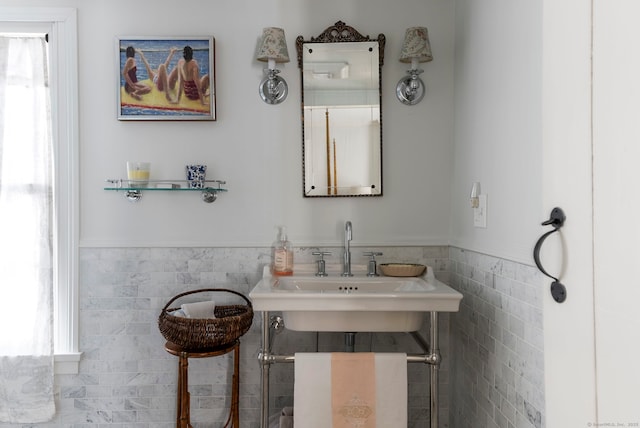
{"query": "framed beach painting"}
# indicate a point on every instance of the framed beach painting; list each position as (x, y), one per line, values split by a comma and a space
(169, 78)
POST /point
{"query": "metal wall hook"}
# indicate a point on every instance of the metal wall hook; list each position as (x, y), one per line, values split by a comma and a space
(556, 220)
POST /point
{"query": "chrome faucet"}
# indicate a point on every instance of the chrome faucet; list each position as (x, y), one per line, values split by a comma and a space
(348, 235)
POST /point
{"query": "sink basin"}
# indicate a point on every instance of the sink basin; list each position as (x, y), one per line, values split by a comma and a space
(342, 286)
(353, 304)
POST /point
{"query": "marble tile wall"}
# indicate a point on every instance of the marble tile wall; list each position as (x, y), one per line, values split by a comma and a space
(127, 379)
(497, 364)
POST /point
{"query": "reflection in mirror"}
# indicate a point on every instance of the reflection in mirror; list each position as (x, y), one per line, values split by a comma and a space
(342, 120)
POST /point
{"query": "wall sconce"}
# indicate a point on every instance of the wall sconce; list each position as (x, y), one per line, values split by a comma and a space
(273, 48)
(474, 196)
(415, 49)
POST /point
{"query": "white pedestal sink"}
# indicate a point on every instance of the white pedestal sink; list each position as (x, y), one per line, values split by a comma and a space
(352, 304)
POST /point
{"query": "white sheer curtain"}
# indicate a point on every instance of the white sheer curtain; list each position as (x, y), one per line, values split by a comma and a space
(26, 232)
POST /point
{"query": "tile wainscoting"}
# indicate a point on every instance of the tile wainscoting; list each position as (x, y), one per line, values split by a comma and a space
(126, 378)
(497, 363)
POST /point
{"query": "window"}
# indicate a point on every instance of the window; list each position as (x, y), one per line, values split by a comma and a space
(61, 26)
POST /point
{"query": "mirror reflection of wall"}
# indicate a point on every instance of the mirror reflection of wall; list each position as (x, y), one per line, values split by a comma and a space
(340, 72)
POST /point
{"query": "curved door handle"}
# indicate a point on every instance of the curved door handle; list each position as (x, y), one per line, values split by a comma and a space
(536, 253)
(556, 220)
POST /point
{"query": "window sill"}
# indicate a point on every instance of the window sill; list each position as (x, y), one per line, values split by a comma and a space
(67, 363)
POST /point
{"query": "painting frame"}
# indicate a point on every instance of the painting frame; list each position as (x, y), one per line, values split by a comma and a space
(151, 86)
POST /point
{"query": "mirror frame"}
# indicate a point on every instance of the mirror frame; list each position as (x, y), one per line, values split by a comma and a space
(339, 33)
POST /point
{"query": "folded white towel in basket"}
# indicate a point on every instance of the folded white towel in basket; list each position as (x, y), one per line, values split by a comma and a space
(314, 395)
(199, 309)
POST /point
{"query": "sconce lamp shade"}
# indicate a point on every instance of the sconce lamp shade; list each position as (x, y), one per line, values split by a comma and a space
(273, 46)
(415, 49)
(416, 45)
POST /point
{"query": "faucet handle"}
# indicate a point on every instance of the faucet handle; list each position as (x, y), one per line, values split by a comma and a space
(372, 254)
(321, 263)
(321, 254)
(372, 269)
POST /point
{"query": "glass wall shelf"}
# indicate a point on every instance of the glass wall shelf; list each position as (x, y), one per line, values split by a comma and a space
(133, 189)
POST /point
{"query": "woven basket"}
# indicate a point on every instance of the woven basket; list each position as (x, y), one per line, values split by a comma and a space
(402, 269)
(231, 322)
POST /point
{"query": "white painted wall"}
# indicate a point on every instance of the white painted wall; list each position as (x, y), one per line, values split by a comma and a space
(498, 84)
(254, 146)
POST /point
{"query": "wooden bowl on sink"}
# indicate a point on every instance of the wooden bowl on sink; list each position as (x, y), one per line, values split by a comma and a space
(402, 269)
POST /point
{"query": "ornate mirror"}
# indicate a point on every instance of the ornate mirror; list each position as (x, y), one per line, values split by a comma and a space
(340, 71)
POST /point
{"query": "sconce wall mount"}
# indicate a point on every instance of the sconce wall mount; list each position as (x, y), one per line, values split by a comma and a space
(410, 89)
(273, 89)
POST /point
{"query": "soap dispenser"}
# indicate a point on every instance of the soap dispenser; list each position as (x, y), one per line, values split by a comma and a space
(282, 255)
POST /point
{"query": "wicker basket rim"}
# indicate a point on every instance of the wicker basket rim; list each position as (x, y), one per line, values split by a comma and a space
(169, 312)
(202, 290)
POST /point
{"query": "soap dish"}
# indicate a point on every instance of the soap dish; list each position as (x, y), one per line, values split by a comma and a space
(402, 269)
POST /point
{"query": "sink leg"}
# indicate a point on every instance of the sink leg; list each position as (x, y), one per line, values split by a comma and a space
(434, 368)
(264, 368)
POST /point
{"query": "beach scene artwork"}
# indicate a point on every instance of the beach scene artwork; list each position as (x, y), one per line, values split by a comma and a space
(166, 78)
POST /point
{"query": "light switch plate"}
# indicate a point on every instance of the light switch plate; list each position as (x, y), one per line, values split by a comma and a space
(480, 213)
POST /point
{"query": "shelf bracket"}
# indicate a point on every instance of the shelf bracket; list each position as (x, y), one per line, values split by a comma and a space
(133, 195)
(209, 195)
